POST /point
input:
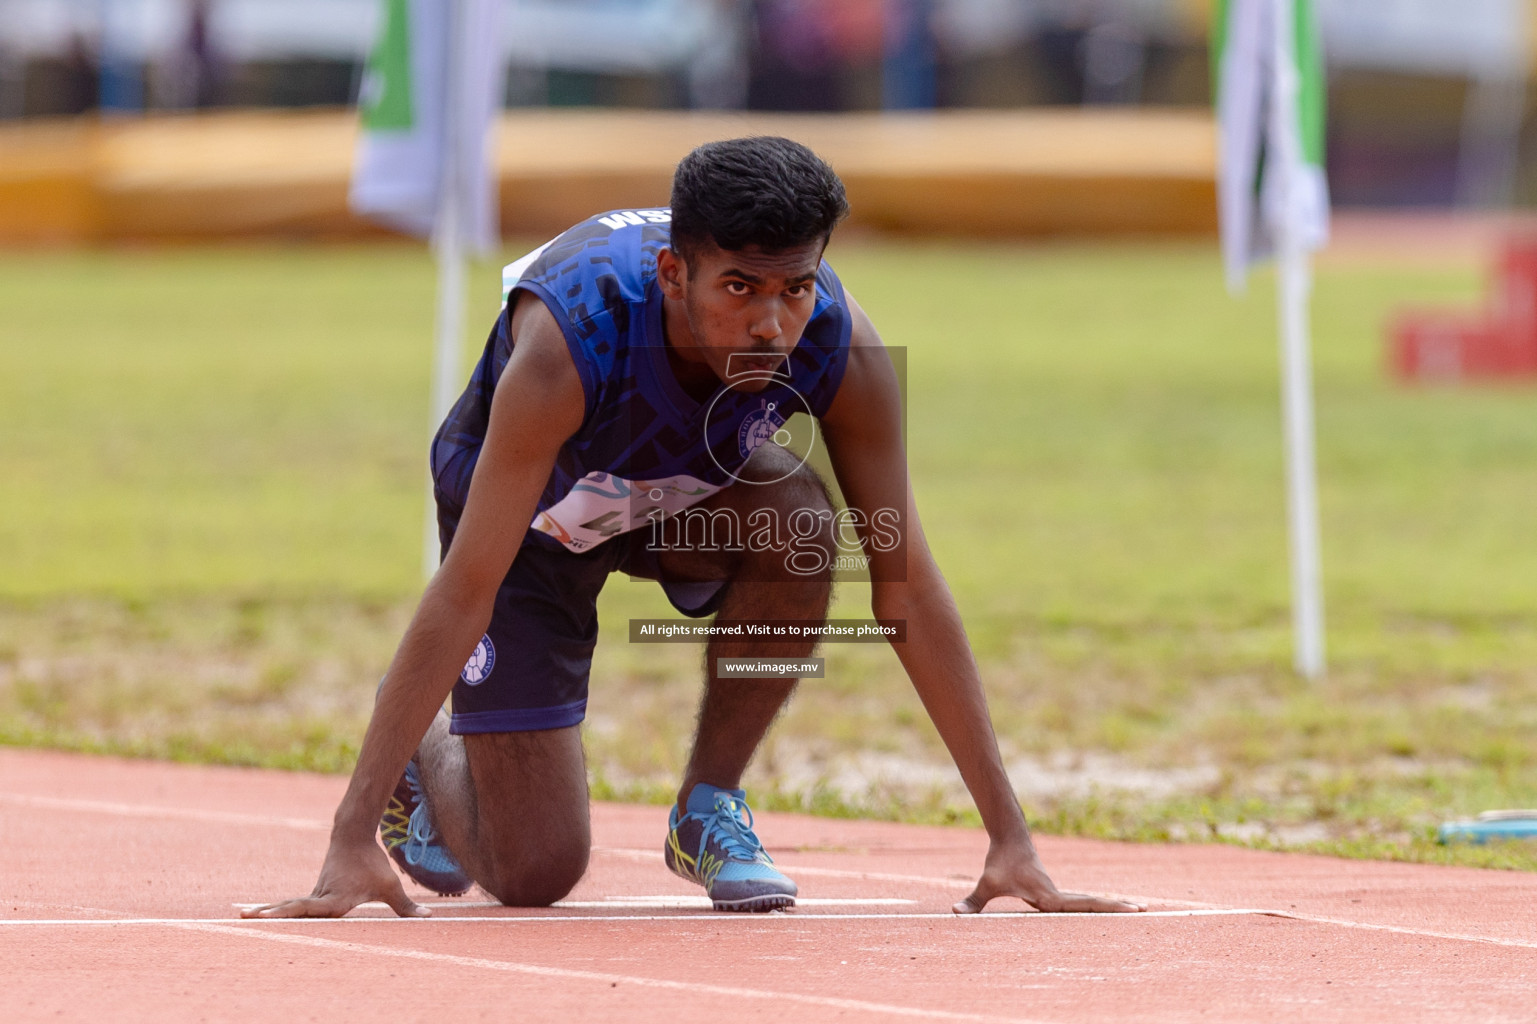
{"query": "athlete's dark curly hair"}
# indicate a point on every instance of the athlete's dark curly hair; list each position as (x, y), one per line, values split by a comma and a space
(760, 192)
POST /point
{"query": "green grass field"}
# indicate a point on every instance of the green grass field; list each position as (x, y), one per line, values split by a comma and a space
(212, 467)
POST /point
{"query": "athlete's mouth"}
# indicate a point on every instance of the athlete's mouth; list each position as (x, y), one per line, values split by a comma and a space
(741, 364)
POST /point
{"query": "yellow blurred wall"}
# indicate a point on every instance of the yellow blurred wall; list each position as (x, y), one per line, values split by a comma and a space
(269, 173)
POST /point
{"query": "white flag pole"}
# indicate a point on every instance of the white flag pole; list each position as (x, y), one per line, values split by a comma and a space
(445, 360)
(1293, 298)
(448, 246)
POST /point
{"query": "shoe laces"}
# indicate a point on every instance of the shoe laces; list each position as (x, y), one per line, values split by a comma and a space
(420, 833)
(731, 825)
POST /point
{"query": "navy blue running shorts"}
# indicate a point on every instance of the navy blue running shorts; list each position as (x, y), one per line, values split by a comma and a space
(530, 670)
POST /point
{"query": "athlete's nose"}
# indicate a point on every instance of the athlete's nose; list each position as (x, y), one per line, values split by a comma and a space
(766, 326)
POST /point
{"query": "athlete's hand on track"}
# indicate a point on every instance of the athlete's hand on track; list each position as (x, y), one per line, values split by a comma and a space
(1017, 871)
(351, 875)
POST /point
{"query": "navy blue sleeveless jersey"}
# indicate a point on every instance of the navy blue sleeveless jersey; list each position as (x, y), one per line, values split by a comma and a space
(645, 449)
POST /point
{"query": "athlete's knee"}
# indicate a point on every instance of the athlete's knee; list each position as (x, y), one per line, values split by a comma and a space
(778, 477)
(538, 876)
(792, 515)
(807, 547)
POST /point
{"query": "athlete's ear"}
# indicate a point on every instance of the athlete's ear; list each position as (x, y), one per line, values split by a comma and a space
(671, 273)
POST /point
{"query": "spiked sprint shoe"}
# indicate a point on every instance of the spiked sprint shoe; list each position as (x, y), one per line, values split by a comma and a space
(412, 842)
(713, 844)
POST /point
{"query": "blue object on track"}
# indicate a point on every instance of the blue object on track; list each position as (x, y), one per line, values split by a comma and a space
(1487, 829)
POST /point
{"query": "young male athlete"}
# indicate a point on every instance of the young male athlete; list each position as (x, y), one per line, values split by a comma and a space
(643, 370)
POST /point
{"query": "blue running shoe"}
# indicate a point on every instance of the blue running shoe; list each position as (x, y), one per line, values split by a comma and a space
(412, 842)
(713, 844)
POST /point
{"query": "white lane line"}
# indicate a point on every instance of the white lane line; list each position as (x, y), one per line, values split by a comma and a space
(643, 903)
(714, 915)
(314, 825)
(53, 803)
(542, 971)
(628, 853)
(1401, 930)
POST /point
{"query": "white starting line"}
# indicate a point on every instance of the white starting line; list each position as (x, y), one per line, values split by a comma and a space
(630, 903)
(138, 810)
(713, 915)
(236, 924)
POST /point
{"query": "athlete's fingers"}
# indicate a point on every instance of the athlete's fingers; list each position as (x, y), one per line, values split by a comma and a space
(978, 899)
(403, 905)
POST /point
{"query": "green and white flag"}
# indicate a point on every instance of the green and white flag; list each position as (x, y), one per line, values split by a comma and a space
(431, 90)
(1269, 85)
(1273, 200)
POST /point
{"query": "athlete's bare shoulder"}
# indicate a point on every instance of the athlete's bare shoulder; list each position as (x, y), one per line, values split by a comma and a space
(869, 392)
(539, 345)
(540, 392)
(862, 333)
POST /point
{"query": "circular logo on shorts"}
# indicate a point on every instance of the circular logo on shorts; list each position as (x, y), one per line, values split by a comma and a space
(758, 428)
(481, 662)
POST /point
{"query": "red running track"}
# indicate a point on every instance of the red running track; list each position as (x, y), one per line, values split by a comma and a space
(121, 882)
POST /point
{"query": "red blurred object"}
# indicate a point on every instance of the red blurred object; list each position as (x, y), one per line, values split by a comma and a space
(1446, 346)
(1514, 300)
(1449, 346)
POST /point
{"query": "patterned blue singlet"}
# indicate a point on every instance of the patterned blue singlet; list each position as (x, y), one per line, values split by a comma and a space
(645, 448)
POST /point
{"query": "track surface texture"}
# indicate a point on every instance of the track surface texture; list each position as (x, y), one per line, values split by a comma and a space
(122, 882)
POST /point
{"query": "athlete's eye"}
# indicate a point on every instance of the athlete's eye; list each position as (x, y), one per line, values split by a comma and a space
(798, 291)
(738, 287)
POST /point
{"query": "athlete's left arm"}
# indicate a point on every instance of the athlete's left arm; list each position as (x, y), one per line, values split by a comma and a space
(863, 431)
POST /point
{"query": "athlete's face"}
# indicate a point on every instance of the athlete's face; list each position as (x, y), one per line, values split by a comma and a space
(742, 310)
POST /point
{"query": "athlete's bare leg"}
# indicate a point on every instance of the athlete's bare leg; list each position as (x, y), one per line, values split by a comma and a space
(735, 714)
(512, 806)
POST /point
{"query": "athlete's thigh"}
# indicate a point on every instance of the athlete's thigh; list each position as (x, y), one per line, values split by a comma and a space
(531, 809)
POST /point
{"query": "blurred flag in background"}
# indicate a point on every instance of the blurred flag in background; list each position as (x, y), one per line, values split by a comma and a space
(431, 89)
(1257, 195)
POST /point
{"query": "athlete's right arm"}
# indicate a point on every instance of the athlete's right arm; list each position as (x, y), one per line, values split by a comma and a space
(538, 405)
